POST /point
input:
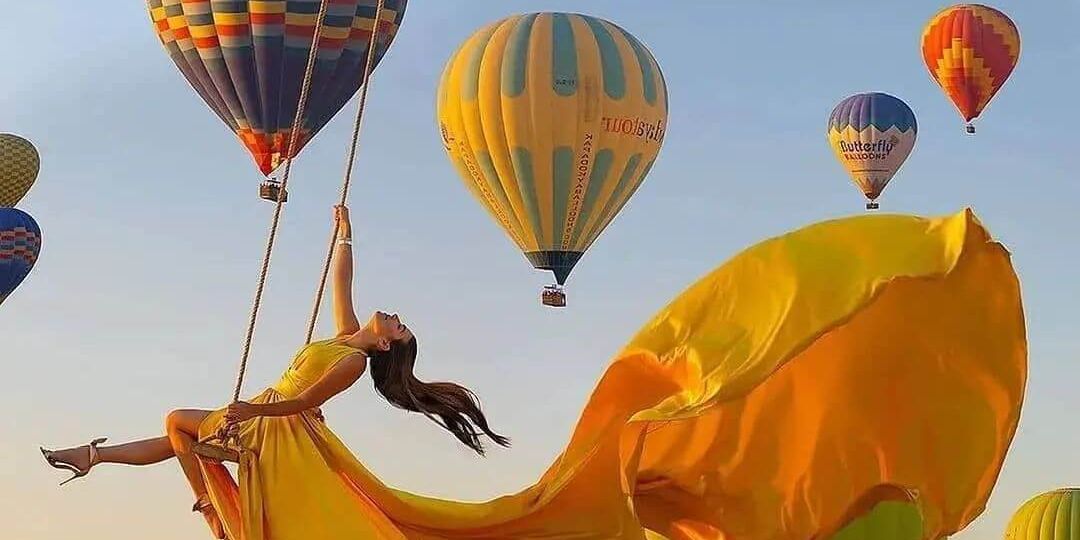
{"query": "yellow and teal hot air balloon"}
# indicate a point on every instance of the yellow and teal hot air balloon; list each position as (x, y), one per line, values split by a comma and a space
(1050, 516)
(553, 121)
(872, 135)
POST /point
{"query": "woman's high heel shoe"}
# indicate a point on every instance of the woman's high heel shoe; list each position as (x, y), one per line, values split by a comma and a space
(75, 471)
(203, 506)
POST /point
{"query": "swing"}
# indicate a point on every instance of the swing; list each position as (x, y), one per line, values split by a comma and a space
(224, 445)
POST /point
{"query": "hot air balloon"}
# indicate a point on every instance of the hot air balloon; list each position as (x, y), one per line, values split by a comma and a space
(872, 135)
(19, 165)
(886, 512)
(20, 244)
(970, 50)
(553, 121)
(247, 60)
(1050, 516)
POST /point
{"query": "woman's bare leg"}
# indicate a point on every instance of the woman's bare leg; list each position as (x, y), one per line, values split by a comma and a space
(182, 427)
(182, 430)
(144, 452)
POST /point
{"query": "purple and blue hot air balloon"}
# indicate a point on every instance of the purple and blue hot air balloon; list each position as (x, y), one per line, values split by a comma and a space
(20, 245)
(872, 135)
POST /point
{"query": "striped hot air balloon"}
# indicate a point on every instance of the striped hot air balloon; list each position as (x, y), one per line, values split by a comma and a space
(553, 121)
(20, 245)
(970, 50)
(247, 60)
(872, 134)
(1050, 516)
(19, 165)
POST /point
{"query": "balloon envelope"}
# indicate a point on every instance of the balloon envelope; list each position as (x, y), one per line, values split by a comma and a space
(889, 520)
(872, 135)
(885, 513)
(553, 121)
(20, 244)
(1050, 516)
(247, 61)
(19, 166)
(970, 50)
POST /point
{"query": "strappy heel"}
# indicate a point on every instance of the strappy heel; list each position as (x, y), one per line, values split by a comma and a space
(76, 472)
(206, 508)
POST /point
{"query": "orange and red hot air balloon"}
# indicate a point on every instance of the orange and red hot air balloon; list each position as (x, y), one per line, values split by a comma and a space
(970, 50)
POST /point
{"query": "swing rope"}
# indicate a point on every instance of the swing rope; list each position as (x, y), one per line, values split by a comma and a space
(368, 66)
(294, 136)
(228, 433)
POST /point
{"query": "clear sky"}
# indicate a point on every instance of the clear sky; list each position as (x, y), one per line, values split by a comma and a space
(154, 234)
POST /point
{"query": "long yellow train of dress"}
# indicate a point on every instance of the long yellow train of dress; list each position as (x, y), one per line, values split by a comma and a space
(808, 378)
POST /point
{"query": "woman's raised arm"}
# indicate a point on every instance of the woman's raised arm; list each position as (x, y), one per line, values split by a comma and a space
(345, 320)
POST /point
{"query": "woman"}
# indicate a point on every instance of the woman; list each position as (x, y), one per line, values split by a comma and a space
(731, 413)
(290, 408)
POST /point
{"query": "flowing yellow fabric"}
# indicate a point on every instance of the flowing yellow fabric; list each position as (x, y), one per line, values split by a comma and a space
(843, 369)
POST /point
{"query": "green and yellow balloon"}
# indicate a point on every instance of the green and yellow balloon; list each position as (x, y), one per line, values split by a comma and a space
(553, 121)
(1050, 516)
(886, 512)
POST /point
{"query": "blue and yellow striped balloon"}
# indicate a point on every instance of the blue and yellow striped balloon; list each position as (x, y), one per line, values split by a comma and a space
(553, 121)
(20, 245)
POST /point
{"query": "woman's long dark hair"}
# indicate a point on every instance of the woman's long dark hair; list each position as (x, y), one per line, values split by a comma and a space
(450, 405)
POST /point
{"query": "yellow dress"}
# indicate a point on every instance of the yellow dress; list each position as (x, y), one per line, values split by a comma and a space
(875, 359)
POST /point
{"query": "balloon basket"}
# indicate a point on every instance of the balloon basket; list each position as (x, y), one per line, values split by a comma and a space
(970, 129)
(270, 189)
(872, 205)
(553, 296)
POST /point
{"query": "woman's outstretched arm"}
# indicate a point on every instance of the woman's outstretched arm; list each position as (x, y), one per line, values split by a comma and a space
(334, 382)
(345, 320)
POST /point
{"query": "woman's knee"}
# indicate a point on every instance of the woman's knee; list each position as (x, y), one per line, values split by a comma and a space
(173, 421)
(184, 421)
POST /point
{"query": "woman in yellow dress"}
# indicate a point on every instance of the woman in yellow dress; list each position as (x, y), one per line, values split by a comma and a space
(319, 371)
(857, 378)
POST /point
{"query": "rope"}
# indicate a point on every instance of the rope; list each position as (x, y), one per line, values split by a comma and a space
(369, 66)
(293, 136)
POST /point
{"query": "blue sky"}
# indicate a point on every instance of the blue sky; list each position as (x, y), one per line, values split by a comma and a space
(153, 235)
